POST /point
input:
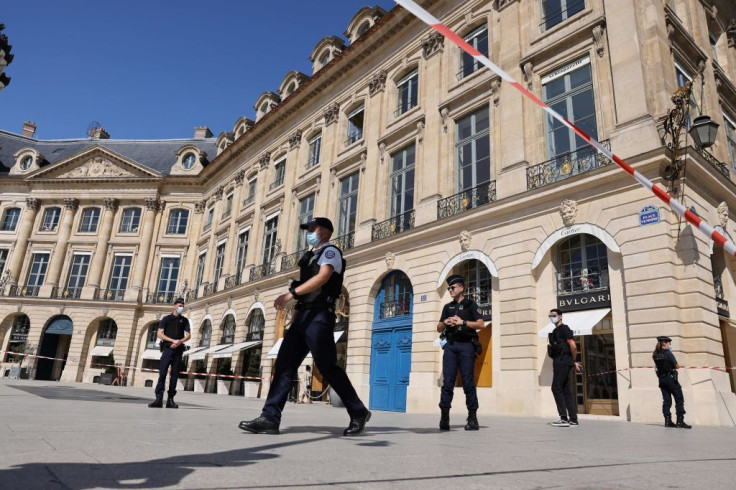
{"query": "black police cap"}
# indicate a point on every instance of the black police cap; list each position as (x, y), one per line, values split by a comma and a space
(455, 279)
(664, 338)
(179, 300)
(323, 222)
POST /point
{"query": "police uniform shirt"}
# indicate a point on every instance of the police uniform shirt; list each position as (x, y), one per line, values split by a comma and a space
(330, 256)
(172, 325)
(561, 335)
(471, 308)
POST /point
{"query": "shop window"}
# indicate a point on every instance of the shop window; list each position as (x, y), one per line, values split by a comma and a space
(228, 330)
(256, 325)
(582, 265)
(205, 338)
(151, 340)
(18, 337)
(107, 332)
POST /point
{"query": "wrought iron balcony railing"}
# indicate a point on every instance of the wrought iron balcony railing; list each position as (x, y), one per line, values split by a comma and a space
(565, 166)
(581, 281)
(484, 193)
(312, 161)
(344, 242)
(231, 281)
(404, 106)
(721, 302)
(18, 290)
(392, 309)
(66, 293)
(393, 226)
(717, 164)
(353, 137)
(160, 298)
(261, 271)
(291, 261)
(109, 294)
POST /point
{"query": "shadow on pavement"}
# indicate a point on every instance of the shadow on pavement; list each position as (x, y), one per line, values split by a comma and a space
(81, 394)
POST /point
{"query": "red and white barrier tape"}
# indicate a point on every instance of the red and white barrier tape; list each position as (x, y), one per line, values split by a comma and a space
(674, 204)
(714, 368)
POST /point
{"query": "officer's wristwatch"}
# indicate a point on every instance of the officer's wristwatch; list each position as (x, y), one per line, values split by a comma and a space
(465, 323)
(293, 292)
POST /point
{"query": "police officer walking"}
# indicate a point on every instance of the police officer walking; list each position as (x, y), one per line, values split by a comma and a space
(173, 330)
(458, 327)
(318, 288)
(666, 368)
(563, 351)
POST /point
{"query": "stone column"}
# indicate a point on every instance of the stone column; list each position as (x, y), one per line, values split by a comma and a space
(228, 267)
(103, 237)
(65, 230)
(24, 233)
(141, 261)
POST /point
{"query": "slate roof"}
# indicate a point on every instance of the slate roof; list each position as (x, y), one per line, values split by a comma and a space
(158, 155)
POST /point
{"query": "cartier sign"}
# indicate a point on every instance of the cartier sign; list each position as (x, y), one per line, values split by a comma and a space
(584, 301)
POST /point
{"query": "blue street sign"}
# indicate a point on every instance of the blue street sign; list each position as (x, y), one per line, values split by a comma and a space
(649, 215)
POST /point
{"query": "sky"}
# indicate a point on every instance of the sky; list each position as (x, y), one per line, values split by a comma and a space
(155, 69)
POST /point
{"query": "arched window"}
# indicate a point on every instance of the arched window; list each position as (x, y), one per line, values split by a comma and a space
(290, 89)
(228, 330)
(364, 28)
(477, 282)
(10, 219)
(582, 265)
(152, 336)
(18, 336)
(256, 325)
(395, 297)
(325, 58)
(107, 332)
(205, 334)
(50, 219)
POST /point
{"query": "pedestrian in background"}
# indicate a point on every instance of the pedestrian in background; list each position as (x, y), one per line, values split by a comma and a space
(666, 368)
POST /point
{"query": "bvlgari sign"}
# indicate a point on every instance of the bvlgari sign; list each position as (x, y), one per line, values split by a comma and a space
(584, 301)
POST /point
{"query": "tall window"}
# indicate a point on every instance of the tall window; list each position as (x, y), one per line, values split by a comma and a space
(555, 11)
(731, 138)
(210, 218)
(348, 204)
(583, 265)
(251, 191)
(477, 282)
(107, 332)
(683, 77)
(10, 219)
(315, 145)
(51, 219)
(279, 172)
(201, 260)
(228, 330)
(77, 273)
(119, 275)
(473, 149)
(569, 91)
(407, 88)
(131, 220)
(168, 275)
(355, 126)
(256, 325)
(306, 210)
(3, 259)
(90, 220)
(152, 336)
(402, 180)
(205, 334)
(242, 252)
(219, 260)
(228, 206)
(477, 38)
(178, 220)
(269, 239)
(395, 297)
(713, 45)
(37, 271)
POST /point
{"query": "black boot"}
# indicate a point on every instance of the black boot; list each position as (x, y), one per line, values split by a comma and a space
(668, 421)
(681, 423)
(261, 425)
(445, 419)
(170, 403)
(472, 421)
(157, 403)
(357, 423)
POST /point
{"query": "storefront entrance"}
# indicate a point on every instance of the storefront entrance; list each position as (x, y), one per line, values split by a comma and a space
(55, 343)
(597, 394)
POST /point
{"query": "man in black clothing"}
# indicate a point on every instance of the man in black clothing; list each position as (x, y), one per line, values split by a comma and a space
(563, 351)
(458, 325)
(666, 364)
(173, 330)
(318, 288)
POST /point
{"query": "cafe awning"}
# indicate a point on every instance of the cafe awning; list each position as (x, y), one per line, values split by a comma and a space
(198, 353)
(231, 349)
(101, 351)
(153, 354)
(580, 322)
(275, 349)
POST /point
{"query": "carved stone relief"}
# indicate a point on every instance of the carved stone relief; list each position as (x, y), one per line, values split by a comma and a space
(295, 139)
(723, 214)
(464, 239)
(331, 113)
(390, 258)
(96, 167)
(377, 82)
(432, 44)
(568, 211)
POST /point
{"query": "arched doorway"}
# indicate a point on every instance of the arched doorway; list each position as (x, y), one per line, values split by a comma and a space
(250, 357)
(478, 287)
(55, 344)
(391, 343)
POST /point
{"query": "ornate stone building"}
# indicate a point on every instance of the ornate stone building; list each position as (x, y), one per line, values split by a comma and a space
(428, 165)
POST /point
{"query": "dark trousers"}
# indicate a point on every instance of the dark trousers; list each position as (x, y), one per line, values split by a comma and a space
(311, 331)
(671, 389)
(462, 355)
(562, 389)
(169, 357)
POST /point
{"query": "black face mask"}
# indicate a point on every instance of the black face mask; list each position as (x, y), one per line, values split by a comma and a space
(305, 258)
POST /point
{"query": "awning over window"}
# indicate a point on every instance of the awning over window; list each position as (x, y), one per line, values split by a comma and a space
(197, 354)
(580, 322)
(233, 348)
(101, 350)
(153, 354)
(275, 349)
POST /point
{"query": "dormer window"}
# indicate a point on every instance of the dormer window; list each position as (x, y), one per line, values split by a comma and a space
(189, 160)
(325, 58)
(26, 163)
(364, 28)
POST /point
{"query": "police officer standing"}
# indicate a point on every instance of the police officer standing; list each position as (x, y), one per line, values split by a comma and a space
(563, 351)
(666, 367)
(318, 288)
(173, 330)
(458, 325)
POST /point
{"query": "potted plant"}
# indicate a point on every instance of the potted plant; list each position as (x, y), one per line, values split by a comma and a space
(223, 384)
(200, 379)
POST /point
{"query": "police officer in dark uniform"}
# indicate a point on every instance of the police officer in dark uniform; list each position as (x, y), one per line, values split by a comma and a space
(318, 288)
(459, 337)
(666, 367)
(173, 330)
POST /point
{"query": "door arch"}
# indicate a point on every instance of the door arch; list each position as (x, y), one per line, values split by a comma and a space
(55, 343)
(391, 343)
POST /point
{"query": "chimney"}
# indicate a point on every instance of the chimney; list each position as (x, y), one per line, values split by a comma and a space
(202, 132)
(29, 129)
(99, 133)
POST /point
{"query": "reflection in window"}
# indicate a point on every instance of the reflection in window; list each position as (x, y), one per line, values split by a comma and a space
(477, 282)
(50, 219)
(582, 265)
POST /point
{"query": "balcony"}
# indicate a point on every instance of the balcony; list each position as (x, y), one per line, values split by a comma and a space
(291, 261)
(23, 291)
(261, 271)
(231, 281)
(65, 293)
(393, 309)
(469, 199)
(404, 106)
(565, 166)
(721, 167)
(393, 226)
(160, 298)
(721, 302)
(109, 294)
(344, 242)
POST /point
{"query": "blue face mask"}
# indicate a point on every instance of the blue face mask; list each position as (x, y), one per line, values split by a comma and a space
(669, 347)
(443, 343)
(312, 239)
(180, 310)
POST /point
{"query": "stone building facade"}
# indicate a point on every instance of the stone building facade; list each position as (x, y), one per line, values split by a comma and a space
(428, 165)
